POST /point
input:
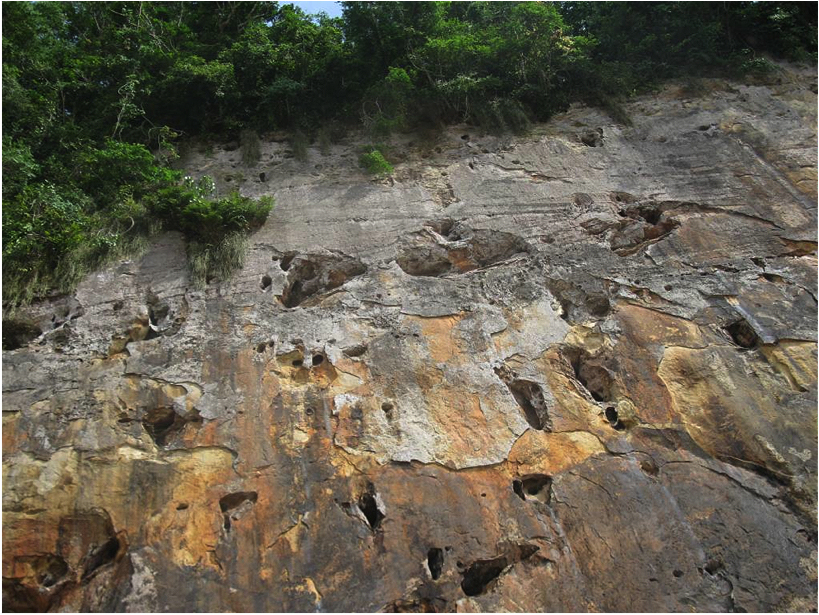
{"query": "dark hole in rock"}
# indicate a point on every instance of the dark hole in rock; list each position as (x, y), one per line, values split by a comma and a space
(262, 177)
(182, 506)
(368, 505)
(465, 137)
(535, 487)
(517, 487)
(703, 127)
(422, 255)
(650, 225)
(594, 377)
(152, 333)
(315, 274)
(659, 229)
(118, 305)
(424, 261)
(678, 573)
(529, 397)
(286, 260)
(53, 572)
(774, 279)
(266, 282)
(355, 351)
(713, 566)
(261, 347)
(318, 359)
(100, 556)
(592, 138)
(387, 407)
(24, 597)
(613, 418)
(445, 228)
(649, 467)
(483, 495)
(236, 499)
(743, 334)
(668, 287)
(472, 166)
(598, 305)
(157, 312)
(18, 333)
(297, 362)
(309, 411)
(488, 247)
(161, 423)
(650, 214)
(480, 574)
(435, 562)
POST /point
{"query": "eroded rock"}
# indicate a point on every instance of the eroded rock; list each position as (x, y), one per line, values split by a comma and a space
(570, 371)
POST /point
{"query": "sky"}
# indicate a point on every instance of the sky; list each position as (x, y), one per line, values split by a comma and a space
(333, 9)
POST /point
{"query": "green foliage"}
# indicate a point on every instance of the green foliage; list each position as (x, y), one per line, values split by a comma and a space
(373, 162)
(190, 207)
(208, 222)
(96, 96)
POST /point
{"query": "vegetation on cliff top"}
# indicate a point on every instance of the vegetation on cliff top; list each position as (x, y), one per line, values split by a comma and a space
(96, 96)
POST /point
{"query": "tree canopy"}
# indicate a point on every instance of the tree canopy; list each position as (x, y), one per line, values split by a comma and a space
(97, 94)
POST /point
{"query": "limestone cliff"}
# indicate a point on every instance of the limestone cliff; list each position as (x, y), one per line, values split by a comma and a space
(574, 370)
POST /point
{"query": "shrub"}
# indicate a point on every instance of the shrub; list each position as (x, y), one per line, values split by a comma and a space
(214, 227)
(375, 163)
(209, 222)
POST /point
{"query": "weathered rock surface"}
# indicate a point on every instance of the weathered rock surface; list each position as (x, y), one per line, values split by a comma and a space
(554, 372)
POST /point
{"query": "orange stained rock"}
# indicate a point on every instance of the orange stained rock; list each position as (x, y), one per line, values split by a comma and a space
(645, 327)
(459, 418)
(795, 360)
(12, 438)
(551, 453)
(574, 411)
(442, 341)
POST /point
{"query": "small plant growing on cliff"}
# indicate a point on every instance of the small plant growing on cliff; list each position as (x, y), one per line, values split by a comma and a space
(209, 262)
(375, 163)
(214, 227)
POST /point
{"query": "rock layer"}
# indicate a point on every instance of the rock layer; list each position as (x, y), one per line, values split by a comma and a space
(550, 372)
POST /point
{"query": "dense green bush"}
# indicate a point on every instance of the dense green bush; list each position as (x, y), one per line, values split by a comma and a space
(373, 162)
(213, 226)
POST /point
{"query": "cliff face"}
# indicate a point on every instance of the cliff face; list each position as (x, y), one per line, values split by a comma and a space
(569, 371)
